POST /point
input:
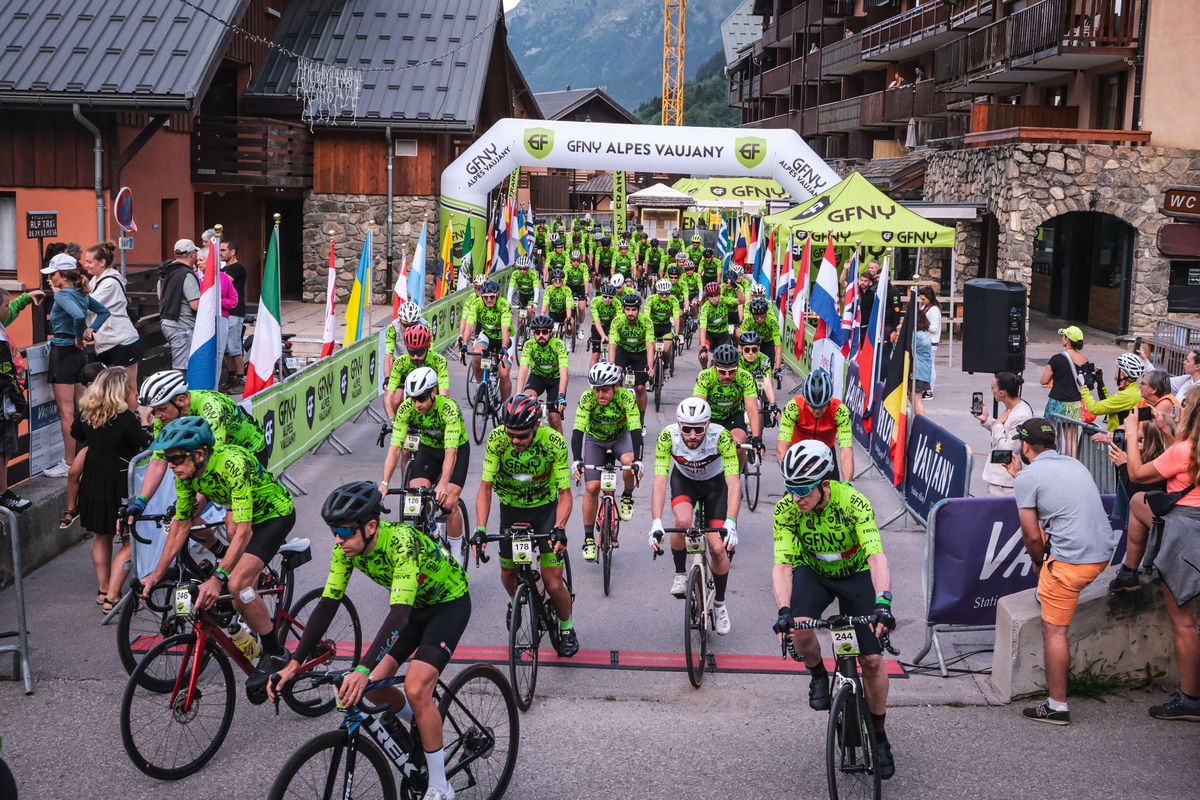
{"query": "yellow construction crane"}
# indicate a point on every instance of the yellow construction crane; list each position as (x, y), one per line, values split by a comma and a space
(674, 25)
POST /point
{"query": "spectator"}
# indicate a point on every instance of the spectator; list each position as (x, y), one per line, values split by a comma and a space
(116, 345)
(229, 299)
(112, 436)
(1060, 373)
(928, 302)
(1184, 383)
(235, 365)
(1116, 406)
(897, 82)
(814, 49)
(1178, 554)
(1151, 443)
(921, 75)
(922, 362)
(178, 299)
(14, 404)
(87, 376)
(1055, 493)
(1006, 389)
(1155, 388)
(69, 329)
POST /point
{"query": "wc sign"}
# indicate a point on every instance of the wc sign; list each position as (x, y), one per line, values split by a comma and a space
(1180, 202)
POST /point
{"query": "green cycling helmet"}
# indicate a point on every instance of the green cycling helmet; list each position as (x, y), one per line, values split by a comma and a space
(186, 433)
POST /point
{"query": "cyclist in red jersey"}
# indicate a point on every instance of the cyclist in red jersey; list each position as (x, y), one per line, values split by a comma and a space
(816, 414)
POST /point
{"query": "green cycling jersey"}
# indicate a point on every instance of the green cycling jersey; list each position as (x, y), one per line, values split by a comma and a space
(606, 422)
(415, 569)
(632, 337)
(655, 259)
(493, 321)
(557, 298)
(768, 329)
(234, 479)
(835, 541)
(531, 478)
(604, 257)
(695, 253)
(692, 283)
(760, 367)
(556, 260)
(524, 282)
(544, 361)
(662, 310)
(403, 365)
(725, 399)
(576, 274)
(714, 317)
(441, 427)
(710, 269)
(229, 422)
(623, 264)
(604, 311)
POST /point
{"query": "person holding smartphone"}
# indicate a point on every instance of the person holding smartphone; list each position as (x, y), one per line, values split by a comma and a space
(1002, 466)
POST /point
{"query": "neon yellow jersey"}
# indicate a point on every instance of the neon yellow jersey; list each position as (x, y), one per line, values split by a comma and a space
(233, 478)
(229, 422)
(768, 329)
(415, 569)
(442, 426)
(545, 362)
(835, 541)
(531, 478)
(632, 337)
(490, 321)
(714, 317)
(661, 311)
(605, 423)
(403, 365)
(725, 399)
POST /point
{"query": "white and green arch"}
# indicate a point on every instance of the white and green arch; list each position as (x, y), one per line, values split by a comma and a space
(513, 143)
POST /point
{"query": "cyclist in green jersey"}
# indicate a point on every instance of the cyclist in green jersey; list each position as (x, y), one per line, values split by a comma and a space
(622, 262)
(416, 341)
(602, 258)
(756, 363)
(692, 280)
(767, 327)
(407, 315)
(428, 429)
(526, 465)
(260, 516)
(540, 239)
(676, 241)
(558, 302)
(575, 275)
(464, 330)
(491, 318)
(606, 419)
(631, 345)
(695, 251)
(544, 370)
(428, 611)
(709, 266)
(604, 309)
(653, 259)
(716, 328)
(556, 259)
(663, 310)
(827, 546)
(734, 291)
(733, 396)
(523, 288)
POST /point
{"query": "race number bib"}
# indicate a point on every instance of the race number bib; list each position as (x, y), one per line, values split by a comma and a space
(845, 641)
(411, 441)
(695, 543)
(758, 381)
(485, 363)
(608, 481)
(628, 380)
(522, 549)
(183, 600)
(660, 347)
(412, 505)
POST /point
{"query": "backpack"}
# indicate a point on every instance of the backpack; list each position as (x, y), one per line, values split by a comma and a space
(130, 310)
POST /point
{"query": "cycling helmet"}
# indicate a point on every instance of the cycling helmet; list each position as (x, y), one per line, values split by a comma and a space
(681, 256)
(556, 274)
(708, 252)
(356, 503)
(558, 242)
(478, 281)
(632, 300)
(490, 286)
(732, 274)
(694, 411)
(712, 288)
(758, 306)
(417, 338)
(675, 233)
(1132, 365)
(608, 290)
(521, 412)
(806, 463)
(697, 238)
(524, 262)
(689, 264)
(750, 338)
(409, 313)
(185, 433)
(726, 355)
(654, 243)
(161, 387)
(420, 381)
(817, 389)
(541, 322)
(663, 286)
(758, 290)
(617, 280)
(605, 374)
(622, 245)
(576, 255)
(674, 271)
(606, 241)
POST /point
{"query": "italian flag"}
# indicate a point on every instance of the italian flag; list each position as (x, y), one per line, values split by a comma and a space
(267, 348)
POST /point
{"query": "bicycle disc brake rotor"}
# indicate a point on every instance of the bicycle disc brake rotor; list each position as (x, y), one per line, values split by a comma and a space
(185, 715)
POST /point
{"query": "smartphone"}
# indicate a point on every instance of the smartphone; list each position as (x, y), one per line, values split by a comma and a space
(1002, 456)
(1145, 414)
(977, 403)
(1118, 439)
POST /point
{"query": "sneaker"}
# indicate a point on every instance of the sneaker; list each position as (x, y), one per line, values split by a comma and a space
(1126, 580)
(884, 760)
(273, 662)
(59, 470)
(1177, 708)
(13, 501)
(679, 586)
(721, 620)
(818, 694)
(1043, 713)
(568, 643)
(589, 549)
(433, 793)
(927, 394)
(626, 507)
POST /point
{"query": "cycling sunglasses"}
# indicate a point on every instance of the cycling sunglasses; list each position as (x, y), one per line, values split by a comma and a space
(750, 348)
(421, 398)
(730, 371)
(175, 459)
(519, 435)
(693, 430)
(488, 296)
(343, 532)
(801, 491)
(536, 331)
(417, 354)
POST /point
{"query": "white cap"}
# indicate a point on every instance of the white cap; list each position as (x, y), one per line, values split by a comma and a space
(60, 262)
(185, 246)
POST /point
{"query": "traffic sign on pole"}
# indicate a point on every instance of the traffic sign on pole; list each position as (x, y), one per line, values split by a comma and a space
(123, 210)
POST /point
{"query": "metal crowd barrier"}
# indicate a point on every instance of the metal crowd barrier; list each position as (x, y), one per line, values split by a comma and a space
(1172, 342)
(20, 650)
(1075, 439)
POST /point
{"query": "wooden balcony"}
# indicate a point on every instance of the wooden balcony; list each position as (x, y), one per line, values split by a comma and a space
(1055, 136)
(828, 12)
(972, 14)
(252, 151)
(843, 57)
(950, 62)
(898, 104)
(909, 33)
(777, 80)
(997, 116)
(930, 102)
(781, 30)
(788, 119)
(839, 116)
(809, 122)
(871, 110)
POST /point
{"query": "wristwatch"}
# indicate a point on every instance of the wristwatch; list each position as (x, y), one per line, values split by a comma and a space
(885, 596)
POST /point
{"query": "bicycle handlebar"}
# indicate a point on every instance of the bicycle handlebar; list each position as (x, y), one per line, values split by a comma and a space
(480, 538)
(839, 621)
(335, 679)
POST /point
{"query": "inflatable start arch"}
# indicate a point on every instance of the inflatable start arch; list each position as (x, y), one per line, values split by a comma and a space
(512, 143)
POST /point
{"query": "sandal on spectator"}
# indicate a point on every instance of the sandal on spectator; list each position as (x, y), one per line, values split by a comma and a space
(67, 519)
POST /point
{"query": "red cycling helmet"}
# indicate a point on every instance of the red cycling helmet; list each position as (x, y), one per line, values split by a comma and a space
(417, 337)
(712, 287)
(521, 412)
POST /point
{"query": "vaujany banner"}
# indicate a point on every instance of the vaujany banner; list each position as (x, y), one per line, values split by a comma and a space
(939, 466)
(855, 398)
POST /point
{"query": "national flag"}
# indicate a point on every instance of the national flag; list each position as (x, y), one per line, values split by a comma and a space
(360, 296)
(800, 297)
(895, 389)
(490, 246)
(204, 362)
(872, 345)
(501, 252)
(445, 262)
(523, 235)
(787, 280)
(740, 247)
(400, 291)
(268, 344)
(723, 243)
(765, 263)
(327, 335)
(825, 298)
(514, 233)
(467, 261)
(850, 310)
(416, 270)
(753, 251)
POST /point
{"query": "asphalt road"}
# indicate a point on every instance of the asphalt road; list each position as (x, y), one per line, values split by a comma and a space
(602, 733)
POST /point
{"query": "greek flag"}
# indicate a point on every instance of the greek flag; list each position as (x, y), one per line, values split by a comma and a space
(723, 253)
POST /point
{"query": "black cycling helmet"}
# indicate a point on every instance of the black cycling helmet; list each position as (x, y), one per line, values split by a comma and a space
(708, 252)
(671, 251)
(674, 271)
(543, 323)
(726, 355)
(556, 274)
(732, 275)
(489, 287)
(521, 412)
(632, 301)
(654, 242)
(758, 306)
(817, 390)
(749, 337)
(608, 290)
(606, 241)
(354, 503)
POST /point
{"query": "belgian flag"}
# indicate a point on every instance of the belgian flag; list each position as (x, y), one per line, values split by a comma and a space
(895, 390)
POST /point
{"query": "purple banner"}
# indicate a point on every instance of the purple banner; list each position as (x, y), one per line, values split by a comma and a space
(938, 466)
(881, 431)
(855, 399)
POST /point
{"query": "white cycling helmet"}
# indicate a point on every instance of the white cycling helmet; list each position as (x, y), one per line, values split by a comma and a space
(478, 281)
(662, 286)
(420, 381)
(806, 463)
(617, 280)
(161, 387)
(524, 262)
(1132, 365)
(694, 411)
(605, 374)
(758, 291)
(409, 313)
(576, 255)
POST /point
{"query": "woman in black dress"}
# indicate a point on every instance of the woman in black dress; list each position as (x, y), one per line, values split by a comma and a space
(112, 436)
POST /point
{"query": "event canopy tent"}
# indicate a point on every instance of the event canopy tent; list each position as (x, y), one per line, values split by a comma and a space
(746, 194)
(855, 212)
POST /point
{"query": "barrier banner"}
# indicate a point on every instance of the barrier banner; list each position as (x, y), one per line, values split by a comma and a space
(974, 555)
(855, 396)
(881, 432)
(618, 204)
(939, 466)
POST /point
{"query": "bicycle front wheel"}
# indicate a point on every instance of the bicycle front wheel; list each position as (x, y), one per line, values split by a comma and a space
(342, 643)
(607, 531)
(481, 733)
(318, 770)
(481, 412)
(171, 732)
(523, 640)
(752, 477)
(850, 749)
(695, 628)
(658, 383)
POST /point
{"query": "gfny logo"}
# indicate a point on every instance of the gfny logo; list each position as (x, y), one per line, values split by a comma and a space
(539, 142)
(750, 150)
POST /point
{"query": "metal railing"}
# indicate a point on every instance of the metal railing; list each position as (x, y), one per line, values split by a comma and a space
(1074, 439)
(20, 650)
(1172, 342)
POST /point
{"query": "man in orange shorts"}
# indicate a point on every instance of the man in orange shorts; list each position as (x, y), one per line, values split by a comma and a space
(1070, 541)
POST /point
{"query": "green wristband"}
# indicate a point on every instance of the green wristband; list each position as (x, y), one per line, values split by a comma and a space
(883, 601)
(222, 574)
(363, 670)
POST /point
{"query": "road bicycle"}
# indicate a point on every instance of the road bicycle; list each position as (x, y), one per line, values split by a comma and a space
(751, 474)
(688, 329)
(608, 518)
(531, 614)
(419, 507)
(179, 701)
(851, 748)
(662, 365)
(485, 409)
(481, 738)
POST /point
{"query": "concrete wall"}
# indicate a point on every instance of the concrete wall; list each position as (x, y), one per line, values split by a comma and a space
(1172, 81)
(40, 537)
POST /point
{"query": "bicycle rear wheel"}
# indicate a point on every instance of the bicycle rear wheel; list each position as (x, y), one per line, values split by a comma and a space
(850, 749)
(523, 640)
(695, 629)
(481, 412)
(318, 770)
(342, 639)
(752, 477)
(481, 733)
(170, 732)
(142, 624)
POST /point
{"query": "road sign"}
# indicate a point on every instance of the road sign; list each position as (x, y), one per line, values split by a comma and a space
(126, 242)
(123, 211)
(41, 224)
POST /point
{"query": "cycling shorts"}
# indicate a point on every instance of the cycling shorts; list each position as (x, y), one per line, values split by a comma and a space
(714, 493)
(665, 329)
(524, 300)
(735, 423)
(542, 520)
(433, 632)
(596, 343)
(635, 360)
(427, 463)
(594, 452)
(812, 593)
(579, 292)
(715, 340)
(540, 385)
(558, 316)
(268, 536)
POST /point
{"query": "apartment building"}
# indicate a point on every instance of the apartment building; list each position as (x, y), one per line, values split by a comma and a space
(1064, 120)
